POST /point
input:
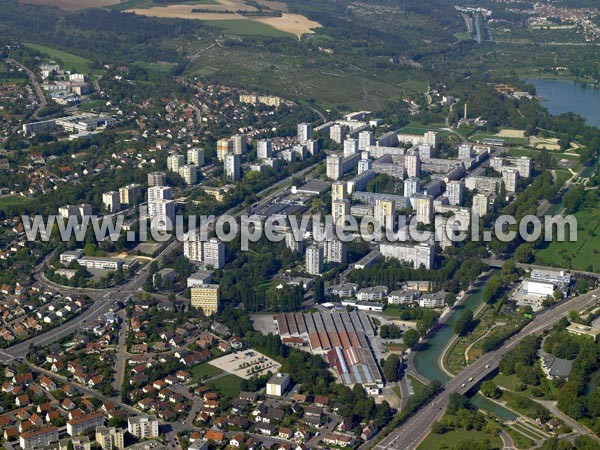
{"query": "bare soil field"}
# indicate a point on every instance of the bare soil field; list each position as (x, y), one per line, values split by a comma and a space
(508, 133)
(539, 143)
(290, 23)
(73, 5)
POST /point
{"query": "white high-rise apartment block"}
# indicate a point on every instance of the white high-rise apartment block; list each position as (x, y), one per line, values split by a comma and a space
(480, 204)
(143, 427)
(424, 209)
(465, 151)
(300, 151)
(412, 163)
(334, 167)
(111, 201)
(213, 253)
(312, 146)
(338, 191)
(455, 191)
(240, 144)
(161, 213)
(224, 146)
(510, 177)
(192, 247)
(195, 156)
(364, 165)
(314, 260)
(384, 213)
(339, 209)
(336, 133)
(130, 194)
(160, 193)
(350, 146)
(304, 132)
(417, 254)
(336, 251)
(365, 139)
(425, 151)
(412, 186)
(232, 166)
(112, 438)
(293, 244)
(264, 149)
(431, 138)
(189, 173)
(157, 179)
(174, 162)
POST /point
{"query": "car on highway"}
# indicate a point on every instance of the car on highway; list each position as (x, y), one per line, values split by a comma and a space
(463, 385)
(470, 379)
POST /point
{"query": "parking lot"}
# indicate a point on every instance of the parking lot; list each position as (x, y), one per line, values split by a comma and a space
(246, 364)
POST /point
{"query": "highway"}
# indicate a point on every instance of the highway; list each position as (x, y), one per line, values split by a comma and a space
(413, 431)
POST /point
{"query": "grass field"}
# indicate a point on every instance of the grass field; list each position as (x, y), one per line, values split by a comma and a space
(228, 386)
(452, 438)
(521, 442)
(68, 60)
(583, 254)
(246, 28)
(204, 370)
(12, 201)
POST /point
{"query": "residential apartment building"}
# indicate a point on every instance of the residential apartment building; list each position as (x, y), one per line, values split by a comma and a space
(143, 427)
(157, 179)
(38, 438)
(111, 201)
(195, 156)
(206, 298)
(83, 424)
(130, 194)
(314, 260)
(110, 438)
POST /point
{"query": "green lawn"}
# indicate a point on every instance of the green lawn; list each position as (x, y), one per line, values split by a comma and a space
(247, 28)
(228, 386)
(203, 371)
(12, 201)
(452, 438)
(396, 390)
(416, 384)
(68, 60)
(583, 254)
(521, 441)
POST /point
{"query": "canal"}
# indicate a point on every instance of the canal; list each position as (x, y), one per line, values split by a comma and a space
(426, 360)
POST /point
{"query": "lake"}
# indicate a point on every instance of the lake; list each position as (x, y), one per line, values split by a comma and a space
(561, 96)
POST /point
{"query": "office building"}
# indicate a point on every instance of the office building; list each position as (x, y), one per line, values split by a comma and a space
(232, 167)
(195, 156)
(314, 260)
(264, 149)
(455, 191)
(143, 427)
(213, 253)
(304, 132)
(350, 146)
(412, 186)
(189, 173)
(206, 298)
(278, 383)
(224, 146)
(174, 162)
(110, 438)
(111, 201)
(130, 194)
(412, 163)
(157, 179)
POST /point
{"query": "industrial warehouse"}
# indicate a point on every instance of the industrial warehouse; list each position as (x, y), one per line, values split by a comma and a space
(342, 337)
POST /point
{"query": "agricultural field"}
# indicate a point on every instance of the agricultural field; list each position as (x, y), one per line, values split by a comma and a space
(72, 5)
(67, 60)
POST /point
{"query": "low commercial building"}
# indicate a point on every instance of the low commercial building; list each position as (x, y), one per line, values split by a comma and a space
(583, 330)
